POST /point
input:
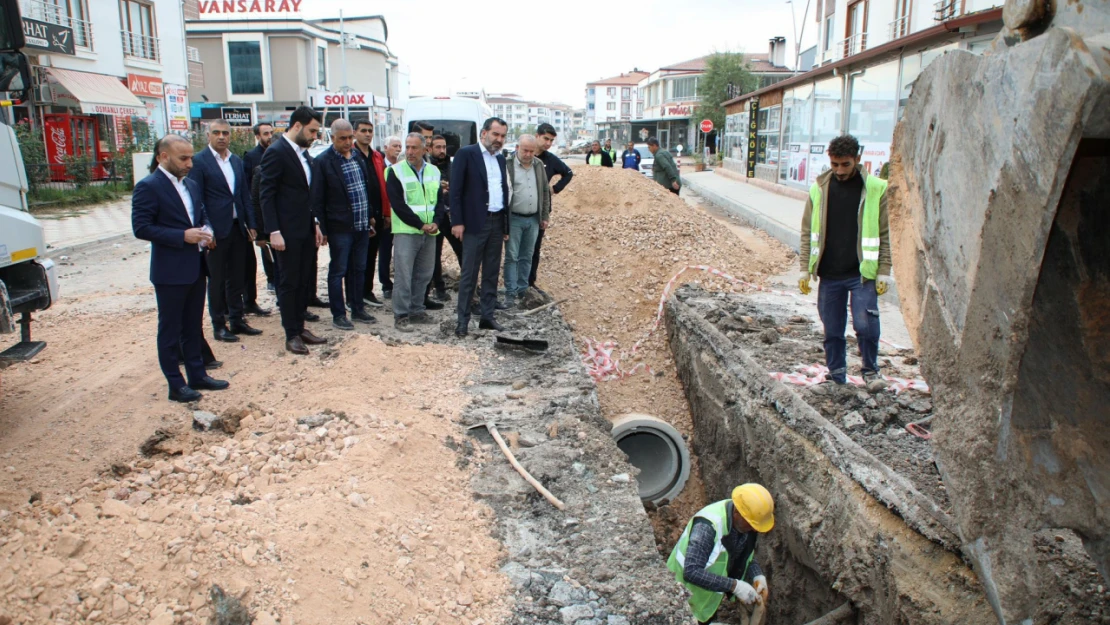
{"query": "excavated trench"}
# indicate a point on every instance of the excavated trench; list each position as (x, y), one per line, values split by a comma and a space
(860, 509)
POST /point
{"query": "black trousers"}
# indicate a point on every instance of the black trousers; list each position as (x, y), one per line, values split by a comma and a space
(297, 280)
(268, 266)
(385, 255)
(481, 251)
(371, 261)
(225, 266)
(456, 246)
(535, 259)
(180, 321)
(250, 276)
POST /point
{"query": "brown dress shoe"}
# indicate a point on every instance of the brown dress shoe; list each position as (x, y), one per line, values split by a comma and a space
(311, 339)
(296, 345)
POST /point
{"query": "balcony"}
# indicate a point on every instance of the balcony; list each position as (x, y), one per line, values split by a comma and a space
(853, 45)
(899, 28)
(53, 14)
(944, 10)
(138, 46)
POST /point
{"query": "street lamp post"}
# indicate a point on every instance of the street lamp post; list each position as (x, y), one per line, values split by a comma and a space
(797, 36)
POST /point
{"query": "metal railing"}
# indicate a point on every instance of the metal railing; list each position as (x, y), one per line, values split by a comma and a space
(139, 46)
(944, 10)
(854, 45)
(900, 27)
(54, 14)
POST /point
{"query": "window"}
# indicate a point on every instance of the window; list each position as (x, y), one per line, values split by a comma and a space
(828, 34)
(245, 60)
(590, 91)
(322, 67)
(684, 88)
(873, 111)
(610, 106)
(626, 93)
(856, 33)
(826, 111)
(72, 13)
(767, 150)
(137, 24)
(626, 109)
(639, 109)
(912, 65)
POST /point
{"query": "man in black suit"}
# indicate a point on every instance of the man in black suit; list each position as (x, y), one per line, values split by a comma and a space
(264, 136)
(479, 201)
(288, 218)
(219, 176)
(168, 210)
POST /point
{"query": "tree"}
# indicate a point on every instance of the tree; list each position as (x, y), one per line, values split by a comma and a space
(722, 70)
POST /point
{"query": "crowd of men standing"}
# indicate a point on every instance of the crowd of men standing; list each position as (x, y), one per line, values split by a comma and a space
(205, 213)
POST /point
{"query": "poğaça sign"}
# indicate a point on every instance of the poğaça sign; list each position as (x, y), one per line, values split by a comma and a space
(247, 8)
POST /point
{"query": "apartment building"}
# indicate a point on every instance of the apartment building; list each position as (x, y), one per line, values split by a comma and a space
(523, 116)
(869, 52)
(105, 72)
(262, 61)
(613, 100)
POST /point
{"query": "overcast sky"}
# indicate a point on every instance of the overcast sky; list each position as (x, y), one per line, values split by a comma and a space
(548, 50)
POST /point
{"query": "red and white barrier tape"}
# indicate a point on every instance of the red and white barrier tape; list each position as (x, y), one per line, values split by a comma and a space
(812, 375)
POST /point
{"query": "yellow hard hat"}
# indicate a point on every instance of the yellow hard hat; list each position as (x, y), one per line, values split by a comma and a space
(755, 504)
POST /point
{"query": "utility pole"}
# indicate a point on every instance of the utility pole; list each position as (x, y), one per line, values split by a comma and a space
(343, 61)
(798, 36)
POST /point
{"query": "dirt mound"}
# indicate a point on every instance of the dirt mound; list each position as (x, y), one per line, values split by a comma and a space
(347, 515)
(616, 238)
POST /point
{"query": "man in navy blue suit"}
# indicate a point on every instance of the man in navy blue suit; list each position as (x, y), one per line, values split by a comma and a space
(221, 179)
(479, 200)
(168, 210)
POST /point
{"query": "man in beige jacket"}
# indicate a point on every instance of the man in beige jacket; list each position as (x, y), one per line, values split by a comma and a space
(530, 207)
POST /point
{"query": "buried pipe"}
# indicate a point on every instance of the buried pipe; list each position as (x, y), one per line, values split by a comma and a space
(658, 451)
(842, 613)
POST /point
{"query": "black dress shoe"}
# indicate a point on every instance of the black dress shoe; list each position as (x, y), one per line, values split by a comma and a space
(311, 316)
(296, 345)
(490, 324)
(501, 305)
(184, 395)
(461, 329)
(208, 383)
(316, 302)
(442, 295)
(431, 304)
(212, 366)
(225, 335)
(241, 327)
(255, 309)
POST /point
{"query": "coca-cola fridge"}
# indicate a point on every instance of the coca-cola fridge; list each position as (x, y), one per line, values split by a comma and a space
(72, 135)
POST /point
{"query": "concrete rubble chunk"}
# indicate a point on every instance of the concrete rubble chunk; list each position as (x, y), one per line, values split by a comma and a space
(853, 420)
(205, 421)
(69, 544)
(115, 508)
(574, 613)
(563, 594)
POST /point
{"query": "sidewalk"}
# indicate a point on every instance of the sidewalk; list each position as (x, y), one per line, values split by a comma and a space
(95, 224)
(777, 215)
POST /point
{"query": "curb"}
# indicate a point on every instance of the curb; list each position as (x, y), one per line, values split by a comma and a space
(749, 215)
(78, 247)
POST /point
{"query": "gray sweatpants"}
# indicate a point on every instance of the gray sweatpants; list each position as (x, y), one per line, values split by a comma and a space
(414, 260)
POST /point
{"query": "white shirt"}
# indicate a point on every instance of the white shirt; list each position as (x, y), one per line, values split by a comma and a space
(300, 155)
(183, 191)
(229, 175)
(493, 180)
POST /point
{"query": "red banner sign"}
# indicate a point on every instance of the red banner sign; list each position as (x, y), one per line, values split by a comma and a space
(247, 8)
(148, 86)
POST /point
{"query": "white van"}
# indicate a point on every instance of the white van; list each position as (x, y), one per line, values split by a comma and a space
(459, 120)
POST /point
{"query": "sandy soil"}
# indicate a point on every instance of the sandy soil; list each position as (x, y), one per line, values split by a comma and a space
(367, 520)
(615, 240)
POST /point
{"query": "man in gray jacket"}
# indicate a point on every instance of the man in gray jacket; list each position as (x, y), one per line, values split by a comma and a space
(664, 171)
(530, 207)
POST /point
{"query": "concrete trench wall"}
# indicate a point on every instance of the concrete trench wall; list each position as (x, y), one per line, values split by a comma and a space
(833, 541)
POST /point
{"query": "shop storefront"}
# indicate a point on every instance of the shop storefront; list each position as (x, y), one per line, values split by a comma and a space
(151, 92)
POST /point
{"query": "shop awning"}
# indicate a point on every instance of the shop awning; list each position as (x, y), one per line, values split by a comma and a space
(98, 94)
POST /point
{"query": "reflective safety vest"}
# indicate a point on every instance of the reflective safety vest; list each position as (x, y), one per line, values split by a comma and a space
(704, 603)
(420, 198)
(594, 159)
(874, 188)
(612, 155)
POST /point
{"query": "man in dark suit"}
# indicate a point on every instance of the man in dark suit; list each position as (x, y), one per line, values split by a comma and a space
(219, 176)
(346, 199)
(264, 135)
(479, 201)
(288, 219)
(168, 210)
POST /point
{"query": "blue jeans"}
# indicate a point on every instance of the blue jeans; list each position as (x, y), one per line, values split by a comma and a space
(348, 263)
(523, 230)
(832, 305)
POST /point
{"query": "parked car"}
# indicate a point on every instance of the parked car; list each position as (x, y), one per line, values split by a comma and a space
(647, 159)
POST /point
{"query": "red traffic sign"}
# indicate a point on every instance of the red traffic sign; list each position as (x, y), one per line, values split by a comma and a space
(707, 125)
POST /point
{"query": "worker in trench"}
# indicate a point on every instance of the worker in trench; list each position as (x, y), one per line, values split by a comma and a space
(845, 241)
(715, 556)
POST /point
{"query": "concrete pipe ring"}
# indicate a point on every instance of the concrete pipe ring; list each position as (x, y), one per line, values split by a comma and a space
(658, 451)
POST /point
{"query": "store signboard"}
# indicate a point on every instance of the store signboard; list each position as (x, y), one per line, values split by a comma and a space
(146, 86)
(353, 99)
(238, 117)
(874, 156)
(49, 37)
(678, 110)
(177, 107)
(256, 9)
(818, 162)
(116, 110)
(753, 136)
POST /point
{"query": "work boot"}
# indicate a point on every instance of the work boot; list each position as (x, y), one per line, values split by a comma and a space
(387, 293)
(870, 376)
(431, 304)
(422, 318)
(401, 323)
(373, 300)
(442, 295)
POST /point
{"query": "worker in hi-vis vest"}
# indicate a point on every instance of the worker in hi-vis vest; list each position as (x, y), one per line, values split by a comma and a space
(845, 241)
(715, 556)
